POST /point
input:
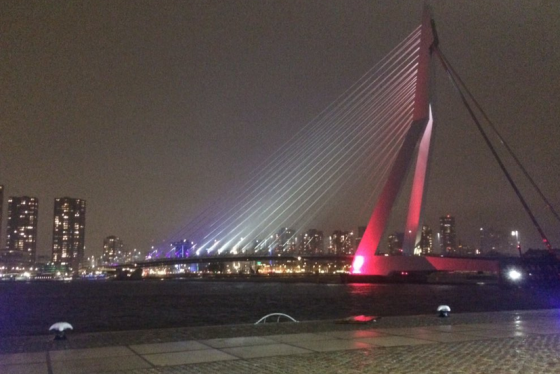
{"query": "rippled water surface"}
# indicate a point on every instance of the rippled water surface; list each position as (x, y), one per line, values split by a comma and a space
(30, 308)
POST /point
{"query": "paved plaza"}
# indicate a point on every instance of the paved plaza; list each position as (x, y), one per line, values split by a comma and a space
(498, 342)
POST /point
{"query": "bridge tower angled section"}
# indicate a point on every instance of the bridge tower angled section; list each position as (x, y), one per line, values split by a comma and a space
(417, 140)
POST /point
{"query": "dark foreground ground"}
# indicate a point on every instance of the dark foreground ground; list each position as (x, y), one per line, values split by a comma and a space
(521, 342)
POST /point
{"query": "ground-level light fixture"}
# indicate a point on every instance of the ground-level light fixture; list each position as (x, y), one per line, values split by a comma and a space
(443, 311)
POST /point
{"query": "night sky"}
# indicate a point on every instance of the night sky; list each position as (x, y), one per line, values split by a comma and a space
(151, 110)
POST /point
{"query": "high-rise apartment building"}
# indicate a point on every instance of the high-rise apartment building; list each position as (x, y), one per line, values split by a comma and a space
(113, 250)
(312, 242)
(395, 243)
(286, 241)
(21, 232)
(426, 241)
(69, 232)
(342, 243)
(448, 237)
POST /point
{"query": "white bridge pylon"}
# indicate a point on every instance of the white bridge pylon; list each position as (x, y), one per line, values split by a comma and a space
(416, 142)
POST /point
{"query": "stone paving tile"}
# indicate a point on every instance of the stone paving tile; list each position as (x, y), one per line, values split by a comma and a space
(392, 341)
(402, 331)
(497, 334)
(291, 338)
(237, 342)
(538, 330)
(97, 365)
(168, 347)
(32, 368)
(329, 345)
(23, 358)
(445, 337)
(269, 350)
(93, 353)
(189, 357)
(354, 334)
(452, 328)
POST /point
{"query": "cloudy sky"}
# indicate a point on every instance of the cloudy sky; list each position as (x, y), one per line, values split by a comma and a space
(150, 110)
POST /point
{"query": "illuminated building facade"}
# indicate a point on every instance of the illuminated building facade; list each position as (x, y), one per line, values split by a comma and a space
(448, 236)
(395, 243)
(493, 241)
(21, 233)
(69, 232)
(286, 241)
(426, 241)
(342, 243)
(312, 242)
(113, 250)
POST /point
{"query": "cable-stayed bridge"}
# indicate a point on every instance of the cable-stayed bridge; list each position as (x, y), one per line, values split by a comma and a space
(378, 131)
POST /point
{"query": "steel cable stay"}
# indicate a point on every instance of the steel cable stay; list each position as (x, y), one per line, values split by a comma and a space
(502, 140)
(343, 100)
(454, 81)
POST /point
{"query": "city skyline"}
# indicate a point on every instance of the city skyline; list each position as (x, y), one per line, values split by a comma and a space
(151, 114)
(69, 232)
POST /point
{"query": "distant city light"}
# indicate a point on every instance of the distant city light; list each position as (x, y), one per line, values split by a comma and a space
(514, 275)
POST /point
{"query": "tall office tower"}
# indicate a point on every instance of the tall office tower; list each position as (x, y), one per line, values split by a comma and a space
(286, 241)
(448, 236)
(69, 232)
(395, 243)
(113, 250)
(426, 241)
(312, 242)
(342, 243)
(21, 232)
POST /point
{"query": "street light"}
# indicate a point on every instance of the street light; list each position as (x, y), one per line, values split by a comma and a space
(515, 234)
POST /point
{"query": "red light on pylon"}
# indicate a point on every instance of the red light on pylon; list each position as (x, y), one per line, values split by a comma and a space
(357, 264)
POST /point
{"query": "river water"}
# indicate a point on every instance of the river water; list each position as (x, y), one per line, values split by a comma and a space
(30, 308)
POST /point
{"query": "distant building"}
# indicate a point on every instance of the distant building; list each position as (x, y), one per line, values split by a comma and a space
(395, 243)
(493, 241)
(135, 255)
(426, 241)
(21, 232)
(69, 232)
(448, 236)
(113, 250)
(342, 243)
(312, 242)
(286, 241)
(465, 250)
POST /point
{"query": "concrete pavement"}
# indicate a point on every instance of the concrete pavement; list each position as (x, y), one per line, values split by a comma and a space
(499, 342)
